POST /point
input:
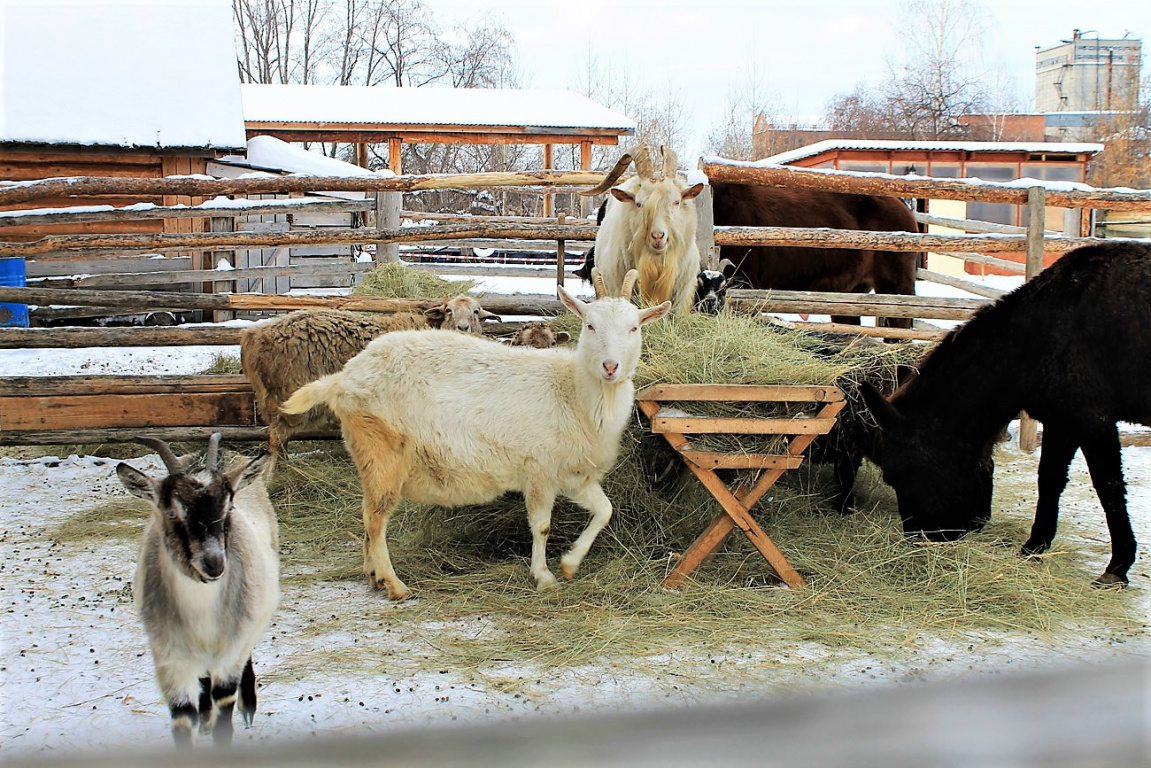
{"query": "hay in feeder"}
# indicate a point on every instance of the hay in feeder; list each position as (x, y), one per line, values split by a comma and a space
(399, 281)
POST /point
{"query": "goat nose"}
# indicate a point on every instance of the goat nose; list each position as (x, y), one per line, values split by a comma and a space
(609, 369)
(212, 564)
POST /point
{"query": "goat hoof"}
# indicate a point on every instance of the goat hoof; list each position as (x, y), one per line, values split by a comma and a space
(568, 569)
(399, 593)
(547, 583)
(1110, 581)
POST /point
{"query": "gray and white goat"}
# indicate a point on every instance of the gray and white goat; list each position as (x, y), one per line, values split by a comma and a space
(207, 582)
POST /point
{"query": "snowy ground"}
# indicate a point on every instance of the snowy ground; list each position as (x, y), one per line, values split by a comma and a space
(75, 673)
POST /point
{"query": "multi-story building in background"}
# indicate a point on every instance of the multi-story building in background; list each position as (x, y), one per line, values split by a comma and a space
(1087, 74)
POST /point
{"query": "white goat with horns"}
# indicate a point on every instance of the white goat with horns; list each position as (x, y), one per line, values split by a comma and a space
(448, 419)
(649, 226)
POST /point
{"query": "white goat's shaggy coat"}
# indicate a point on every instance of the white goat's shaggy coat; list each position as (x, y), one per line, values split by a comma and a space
(447, 419)
(649, 226)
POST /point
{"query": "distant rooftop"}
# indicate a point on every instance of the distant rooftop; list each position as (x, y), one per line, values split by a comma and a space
(118, 73)
(1045, 147)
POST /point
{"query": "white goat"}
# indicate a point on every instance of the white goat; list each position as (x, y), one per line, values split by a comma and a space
(649, 225)
(207, 583)
(448, 419)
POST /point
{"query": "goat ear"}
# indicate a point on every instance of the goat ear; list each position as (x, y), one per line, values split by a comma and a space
(244, 474)
(881, 408)
(692, 191)
(485, 315)
(571, 302)
(435, 316)
(654, 313)
(138, 484)
(622, 195)
(563, 337)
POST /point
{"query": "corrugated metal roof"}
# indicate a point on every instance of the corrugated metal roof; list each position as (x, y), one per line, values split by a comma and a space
(118, 73)
(388, 106)
(1048, 147)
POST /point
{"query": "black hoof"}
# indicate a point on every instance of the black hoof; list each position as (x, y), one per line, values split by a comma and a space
(1110, 581)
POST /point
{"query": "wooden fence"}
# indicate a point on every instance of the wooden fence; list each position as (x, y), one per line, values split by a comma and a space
(980, 245)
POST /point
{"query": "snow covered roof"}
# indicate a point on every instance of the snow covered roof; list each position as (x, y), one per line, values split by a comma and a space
(1034, 147)
(381, 107)
(267, 153)
(120, 73)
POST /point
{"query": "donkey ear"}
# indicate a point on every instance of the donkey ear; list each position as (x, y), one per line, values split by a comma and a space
(880, 407)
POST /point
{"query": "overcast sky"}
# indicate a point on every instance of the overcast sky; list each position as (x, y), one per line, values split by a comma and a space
(807, 52)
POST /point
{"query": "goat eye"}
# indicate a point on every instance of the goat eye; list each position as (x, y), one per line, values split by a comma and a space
(591, 327)
(634, 328)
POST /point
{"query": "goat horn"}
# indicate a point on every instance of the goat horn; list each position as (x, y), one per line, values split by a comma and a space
(597, 281)
(642, 157)
(212, 455)
(174, 465)
(611, 178)
(628, 284)
(670, 163)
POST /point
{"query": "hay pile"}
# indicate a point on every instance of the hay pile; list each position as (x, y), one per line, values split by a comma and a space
(868, 590)
(397, 281)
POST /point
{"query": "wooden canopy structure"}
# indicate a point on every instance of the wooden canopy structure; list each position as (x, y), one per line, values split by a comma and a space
(363, 115)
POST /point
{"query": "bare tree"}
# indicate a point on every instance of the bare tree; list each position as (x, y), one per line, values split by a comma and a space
(1126, 136)
(733, 136)
(938, 78)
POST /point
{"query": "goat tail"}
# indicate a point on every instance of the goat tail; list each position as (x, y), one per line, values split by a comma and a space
(307, 397)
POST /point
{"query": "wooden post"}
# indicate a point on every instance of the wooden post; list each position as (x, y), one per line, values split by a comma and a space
(705, 230)
(585, 165)
(1036, 221)
(560, 254)
(549, 208)
(222, 224)
(388, 218)
(394, 161)
(362, 154)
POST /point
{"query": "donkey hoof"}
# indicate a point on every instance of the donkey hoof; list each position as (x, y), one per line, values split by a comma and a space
(1110, 581)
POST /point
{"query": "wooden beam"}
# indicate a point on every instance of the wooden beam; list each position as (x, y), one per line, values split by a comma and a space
(939, 189)
(90, 186)
(161, 242)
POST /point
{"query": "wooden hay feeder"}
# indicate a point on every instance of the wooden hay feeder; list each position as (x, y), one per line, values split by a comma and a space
(797, 429)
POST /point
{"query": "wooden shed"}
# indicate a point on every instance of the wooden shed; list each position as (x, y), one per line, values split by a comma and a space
(109, 88)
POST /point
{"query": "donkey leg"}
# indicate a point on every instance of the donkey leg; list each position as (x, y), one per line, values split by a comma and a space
(539, 503)
(1055, 457)
(592, 498)
(1105, 462)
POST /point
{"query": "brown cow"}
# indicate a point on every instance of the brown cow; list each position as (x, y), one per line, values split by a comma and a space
(790, 268)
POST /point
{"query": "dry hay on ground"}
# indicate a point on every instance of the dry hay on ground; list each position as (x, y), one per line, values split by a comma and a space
(869, 590)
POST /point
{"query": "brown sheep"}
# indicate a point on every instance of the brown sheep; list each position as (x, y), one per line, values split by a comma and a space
(540, 335)
(284, 354)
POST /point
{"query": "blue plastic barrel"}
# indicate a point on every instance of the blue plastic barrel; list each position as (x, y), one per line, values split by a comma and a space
(12, 275)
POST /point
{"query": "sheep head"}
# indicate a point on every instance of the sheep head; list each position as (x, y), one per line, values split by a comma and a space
(460, 313)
